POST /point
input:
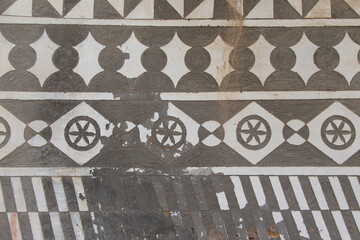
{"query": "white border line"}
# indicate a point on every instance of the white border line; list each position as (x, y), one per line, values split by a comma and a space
(181, 96)
(117, 22)
(45, 171)
(275, 171)
(182, 22)
(196, 171)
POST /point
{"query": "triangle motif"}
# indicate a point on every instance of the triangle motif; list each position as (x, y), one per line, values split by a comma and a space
(204, 10)
(264, 9)
(321, 10)
(354, 4)
(43, 8)
(144, 10)
(297, 5)
(58, 5)
(5, 4)
(178, 5)
(84, 9)
(118, 5)
(20, 8)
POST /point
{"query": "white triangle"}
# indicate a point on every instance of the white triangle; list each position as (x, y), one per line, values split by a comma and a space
(20, 8)
(204, 10)
(118, 5)
(354, 4)
(58, 5)
(145, 10)
(237, 5)
(297, 5)
(321, 10)
(264, 9)
(178, 5)
(84, 9)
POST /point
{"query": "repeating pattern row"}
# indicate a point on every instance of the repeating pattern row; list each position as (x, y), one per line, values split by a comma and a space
(179, 9)
(233, 207)
(184, 59)
(168, 133)
(201, 225)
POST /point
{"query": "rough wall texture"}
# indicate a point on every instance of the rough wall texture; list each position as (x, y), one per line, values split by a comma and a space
(179, 119)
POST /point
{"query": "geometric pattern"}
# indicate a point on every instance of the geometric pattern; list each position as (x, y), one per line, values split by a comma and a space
(254, 135)
(182, 9)
(337, 132)
(78, 133)
(224, 206)
(179, 119)
(209, 63)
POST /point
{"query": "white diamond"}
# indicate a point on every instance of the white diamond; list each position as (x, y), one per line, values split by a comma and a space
(219, 53)
(338, 155)
(5, 49)
(348, 52)
(262, 50)
(253, 156)
(132, 67)
(305, 65)
(175, 52)
(17, 128)
(44, 66)
(88, 65)
(58, 130)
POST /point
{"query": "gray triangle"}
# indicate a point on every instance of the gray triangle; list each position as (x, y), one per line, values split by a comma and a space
(308, 5)
(5, 4)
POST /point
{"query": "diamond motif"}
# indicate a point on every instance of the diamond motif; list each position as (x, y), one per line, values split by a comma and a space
(11, 132)
(169, 135)
(43, 66)
(348, 52)
(175, 50)
(253, 133)
(305, 65)
(5, 49)
(88, 65)
(78, 133)
(335, 132)
(132, 67)
(219, 66)
(262, 50)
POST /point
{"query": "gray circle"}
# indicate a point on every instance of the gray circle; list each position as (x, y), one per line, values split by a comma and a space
(242, 59)
(326, 58)
(65, 58)
(197, 59)
(166, 126)
(111, 58)
(154, 59)
(253, 132)
(22, 57)
(82, 133)
(338, 132)
(283, 58)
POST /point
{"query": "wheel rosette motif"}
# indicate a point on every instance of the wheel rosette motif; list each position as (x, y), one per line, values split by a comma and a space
(169, 132)
(338, 132)
(5, 132)
(82, 133)
(253, 132)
